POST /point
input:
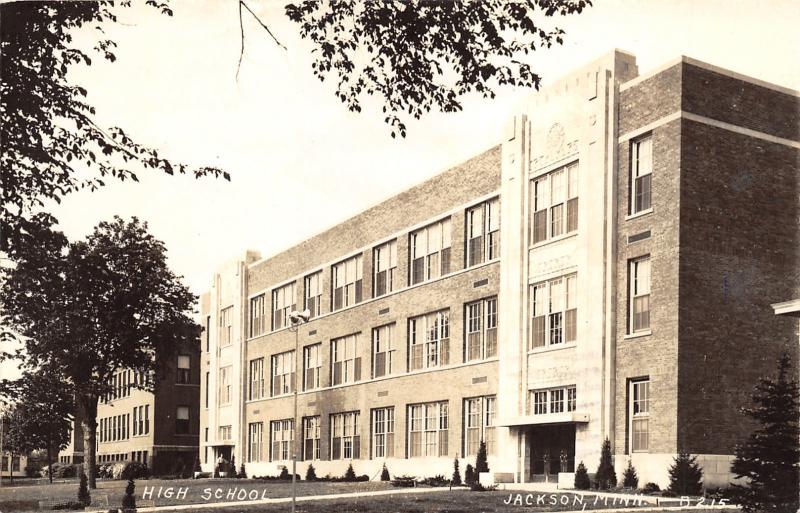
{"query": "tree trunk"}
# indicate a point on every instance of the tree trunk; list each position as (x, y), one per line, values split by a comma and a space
(11, 466)
(88, 412)
(50, 460)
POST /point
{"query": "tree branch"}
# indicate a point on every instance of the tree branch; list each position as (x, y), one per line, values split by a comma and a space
(241, 31)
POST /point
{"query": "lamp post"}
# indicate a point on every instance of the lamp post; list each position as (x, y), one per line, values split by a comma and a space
(297, 319)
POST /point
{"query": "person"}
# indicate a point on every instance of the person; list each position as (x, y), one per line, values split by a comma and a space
(221, 463)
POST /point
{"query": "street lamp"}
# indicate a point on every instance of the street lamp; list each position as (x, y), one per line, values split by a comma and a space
(297, 319)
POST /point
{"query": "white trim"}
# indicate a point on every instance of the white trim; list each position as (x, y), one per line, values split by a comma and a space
(787, 307)
(709, 67)
(740, 130)
(633, 134)
(639, 214)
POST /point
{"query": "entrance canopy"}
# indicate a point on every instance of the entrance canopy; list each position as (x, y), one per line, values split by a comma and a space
(544, 420)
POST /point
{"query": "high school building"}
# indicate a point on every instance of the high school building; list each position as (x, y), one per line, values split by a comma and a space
(607, 270)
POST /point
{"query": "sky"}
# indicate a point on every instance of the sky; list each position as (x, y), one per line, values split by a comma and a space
(299, 161)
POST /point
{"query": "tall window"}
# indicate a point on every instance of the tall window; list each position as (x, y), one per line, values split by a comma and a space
(208, 333)
(225, 385)
(427, 429)
(383, 432)
(283, 303)
(639, 308)
(345, 436)
(313, 294)
(483, 232)
(208, 384)
(283, 373)
(479, 413)
(345, 362)
(181, 421)
(184, 370)
(554, 400)
(225, 432)
(312, 366)
(555, 203)
(282, 432)
(385, 266)
(383, 350)
(256, 379)
(554, 311)
(430, 251)
(481, 329)
(146, 419)
(225, 326)
(429, 340)
(311, 431)
(639, 414)
(255, 444)
(257, 316)
(641, 174)
(347, 280)
(135, 425)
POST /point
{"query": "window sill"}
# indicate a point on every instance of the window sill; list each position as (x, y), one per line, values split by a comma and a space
(556, 347)
(553, 240)
(639, 214)
(638, 334)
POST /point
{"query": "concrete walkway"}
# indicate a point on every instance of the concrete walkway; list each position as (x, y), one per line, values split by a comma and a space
(284, 500)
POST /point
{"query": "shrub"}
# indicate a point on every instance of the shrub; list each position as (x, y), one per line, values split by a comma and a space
(130, 470)
(456, 474)
(60, 470)
(69, 505)
(129, 499)
(478, 487)
(481, 461)
(311, 474)
(350, 474)
(605, 477)
(469, 475)
(668, 493)
(651, 488)
(404, 481)
(84, 497)
(582, 481)
(284, 475)
(685, 475)
(31, 471)
(362, 478)
(197, 466)
(438, 480)
(629, 477)
(385, 473)
(242, 472)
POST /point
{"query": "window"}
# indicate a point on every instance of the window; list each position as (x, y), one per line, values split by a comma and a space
(555, 204)
(430, 252)
(311, 430)
(427, 429)
(429, 340)
(383, 433)
(382, 350)
(345, 436)
(181, 420)
(257, 316)
(208, 333)
(639, 308)
(225, 326)
(256, 379)
(347, 278)
(146, 418)
(225, 432)
(184, 364)
(225, 385)
(346, 365)
(483, 232)
(479, 414)
(385, 266)
(554, 312)
(313, 294)
(208, 384)
(641, 174)
(135, 425)
(481, 320)
(312, 366)
(640, 415)
(560, 400)
(283, 303)
(283, 373)
(255, 437)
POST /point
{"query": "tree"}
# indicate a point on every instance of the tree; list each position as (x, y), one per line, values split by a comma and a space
(90, 308)
(456, 474)
(51, 143)
(481, 461)
(606, 476)
(311, 473)
(14, 441)
(685, 475)
(242, 472)
(84, 497)
(129, 499)
(768, 460)
(629, 477)
(385, 473)
(469, 475)
(46, 413)
(421, 55)
(350, 474)
(582, 481)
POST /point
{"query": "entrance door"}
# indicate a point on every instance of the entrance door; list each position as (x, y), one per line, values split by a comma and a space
(552, 448)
